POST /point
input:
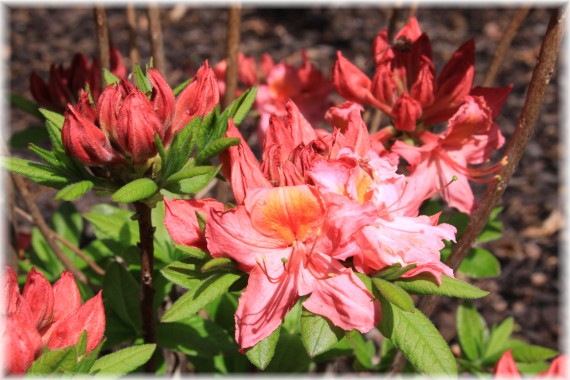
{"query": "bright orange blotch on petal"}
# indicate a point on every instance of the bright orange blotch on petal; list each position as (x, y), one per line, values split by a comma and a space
(291, 213)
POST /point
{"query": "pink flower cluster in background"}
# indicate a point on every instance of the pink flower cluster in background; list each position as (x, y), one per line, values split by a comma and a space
(45, 316)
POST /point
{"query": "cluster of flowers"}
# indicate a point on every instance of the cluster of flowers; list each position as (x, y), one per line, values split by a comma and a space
(45, 316)
(322, 207)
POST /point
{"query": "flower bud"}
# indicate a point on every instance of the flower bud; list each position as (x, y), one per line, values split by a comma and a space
(38, 293)
(21, 344)
(136, 125)
(162, 98)
(423, 90)
(40, 91)
(78, 73)
(406, 111)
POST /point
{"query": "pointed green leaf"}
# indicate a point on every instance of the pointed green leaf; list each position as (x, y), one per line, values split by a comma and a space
(387, 355)
(261, 354)
(241, 106)
(121, 294)
(142, 82)
(529, 353)
(364, 349)
(185, 273)
(217, 264)
(471, 331)
(54, 117)
(74, 191)
(136, 190)
(38, 173)
(178, 89)
(192, 251)
(216, 147)
(394, 294)
(87, 361)
(318, 334)
(418, 340)
(121, 362)
(452, 287)
(191, 172)
(194, 184)
(26, 105)
(56, 362)
(198, 297)
(498, 340)
(45, 155)
(110, 78)
(480, 263)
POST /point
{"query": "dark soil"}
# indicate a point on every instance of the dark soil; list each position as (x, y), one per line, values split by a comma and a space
(529, 286)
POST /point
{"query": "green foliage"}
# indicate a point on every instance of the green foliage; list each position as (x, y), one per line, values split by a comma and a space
(121, 362)
(394, 294)
(110, 78)
(262, 353)
(26, 105)
(137, 190)
(74, 191)
(318, 334)
(426, 284)
(121, 296)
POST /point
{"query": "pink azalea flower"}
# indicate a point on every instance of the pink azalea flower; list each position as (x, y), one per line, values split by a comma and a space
(277, 237)
(507, 368)
(470, 138)
(46, 316)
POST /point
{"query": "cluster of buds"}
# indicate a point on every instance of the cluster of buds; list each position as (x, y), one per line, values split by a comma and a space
(64, 84)
(45, 316)
(121, 129)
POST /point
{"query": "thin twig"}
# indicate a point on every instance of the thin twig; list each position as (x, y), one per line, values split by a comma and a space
(102, 39)
(233, 39)
(412, 11)
(156, 40)
(393, 24)
(146, 232)
(96, 268)
(40, 222)
(376, 121)
(132, 28)
(543, 71)
(504, 44)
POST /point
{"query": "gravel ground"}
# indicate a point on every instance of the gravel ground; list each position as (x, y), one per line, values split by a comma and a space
(529, 287)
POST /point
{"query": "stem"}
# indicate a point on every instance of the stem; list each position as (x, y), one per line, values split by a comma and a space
(541, 75)
(156, 41)
(233, 37)
(146, 232)
(504, 45)
(132, 28)
(393, 23)
(40, 222)
(102, 40)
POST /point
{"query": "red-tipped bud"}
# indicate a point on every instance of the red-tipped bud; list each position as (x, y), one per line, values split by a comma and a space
(89, 317)
(118, 67)
(78, 73)
(58, 86)
(10, 291)
(423, 89)
(84, 141)
(66, 296)
(136, 126)
(38, 293)
(197, 99)
(181, 221)
(338, 116)
(162, 98)
(21, 344)
(350, 82)
(406, 112)
(85, 108)
(383, 84)
(40, 91)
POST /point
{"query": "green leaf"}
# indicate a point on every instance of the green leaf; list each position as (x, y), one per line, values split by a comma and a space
(318, 334)
(74, 191)
(364, 349)
(261, 354)
(241, 106)
(471, 331)
(121, 362)
(110, 78)
(33, 134)
(217, 264)
(178, 89)
(394, 294)
(387, 355)
(192, 251)
(56, 362)
(452, 287)
(493, 228)
(185, 273)
(38, 173)
(418, 340)
(216, 147)
(532, 368)
(136, 190)
(394, 271)
(191, 172)
(142, 82)
(198, 297)
(194, 184)
(54, 117)
(480, 263)
(290, 355)
(529, 353)
(498, 340)
(45, 155)
(121, 294)
(25, 105)
(85, 364)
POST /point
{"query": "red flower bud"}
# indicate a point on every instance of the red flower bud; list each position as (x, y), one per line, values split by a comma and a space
(89, 317)
(66, 296)
(84, 141)
(40, 91)
(406, 112)
(136, 125)
(10, 291)
(58, 86)
(38, 293)
(197, 99)
(162, 98)
(21, 344)
(423, 89)
(78, 73)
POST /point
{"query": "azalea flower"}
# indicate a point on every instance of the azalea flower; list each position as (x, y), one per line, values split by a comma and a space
(46, 316)
(506, 367)
(278, 237)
